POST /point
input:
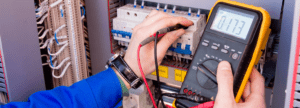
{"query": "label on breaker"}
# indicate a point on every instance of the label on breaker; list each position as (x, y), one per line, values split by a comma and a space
(163, 71)
(179, 75)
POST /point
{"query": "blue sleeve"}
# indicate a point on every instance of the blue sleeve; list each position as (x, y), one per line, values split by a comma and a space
(102, 90)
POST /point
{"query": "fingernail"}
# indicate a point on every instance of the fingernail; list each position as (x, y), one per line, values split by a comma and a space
(225, 65)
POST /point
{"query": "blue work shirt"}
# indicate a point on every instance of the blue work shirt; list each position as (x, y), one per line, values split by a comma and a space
(102, 90)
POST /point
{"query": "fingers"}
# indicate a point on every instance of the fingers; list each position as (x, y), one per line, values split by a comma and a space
(246, 91)
(152, 13)
(256, 97)
(154, 16)
(166, 22)
(257, 83)
(164, 44)
(225, 97)
(225, 79)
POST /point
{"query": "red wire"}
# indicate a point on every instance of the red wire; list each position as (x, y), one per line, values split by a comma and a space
(144, 78)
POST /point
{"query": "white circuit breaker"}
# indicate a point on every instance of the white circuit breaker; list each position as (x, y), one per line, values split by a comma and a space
(128, 17)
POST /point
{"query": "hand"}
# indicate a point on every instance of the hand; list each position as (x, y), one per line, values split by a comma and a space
(154, 21)
(254, 93)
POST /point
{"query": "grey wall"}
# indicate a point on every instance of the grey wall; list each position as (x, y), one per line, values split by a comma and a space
(21, 52)
(98, 26)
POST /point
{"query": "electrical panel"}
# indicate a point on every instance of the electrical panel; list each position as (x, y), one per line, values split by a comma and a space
(128, 17)
(63, 40)
(181, 51)
(3, 91)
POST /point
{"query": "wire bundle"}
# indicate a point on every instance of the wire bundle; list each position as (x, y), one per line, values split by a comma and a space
(63, 45)
(52, 56)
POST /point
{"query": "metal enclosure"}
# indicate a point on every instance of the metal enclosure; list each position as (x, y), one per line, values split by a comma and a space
(286, 55)
(21, 54)
(99, 36)
(98, 26)
(20, 49)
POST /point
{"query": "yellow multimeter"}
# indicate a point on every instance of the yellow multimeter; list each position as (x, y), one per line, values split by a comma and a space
(235, 32)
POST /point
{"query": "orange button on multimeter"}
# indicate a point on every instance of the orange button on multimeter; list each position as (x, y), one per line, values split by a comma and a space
(236, 33)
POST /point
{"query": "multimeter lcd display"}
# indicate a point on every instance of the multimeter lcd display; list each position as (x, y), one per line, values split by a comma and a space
(232, 22)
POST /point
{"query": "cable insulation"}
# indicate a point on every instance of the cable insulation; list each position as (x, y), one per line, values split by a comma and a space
(144, 78)
(157, 73)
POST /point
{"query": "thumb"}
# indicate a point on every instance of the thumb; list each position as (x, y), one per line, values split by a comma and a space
(225, 81)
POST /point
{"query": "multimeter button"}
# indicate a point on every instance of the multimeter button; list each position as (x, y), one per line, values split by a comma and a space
(224, 51)
(206, 41)
(235, 56)
(214, 47)
(185, 90)
(204, 44)
(190, 92)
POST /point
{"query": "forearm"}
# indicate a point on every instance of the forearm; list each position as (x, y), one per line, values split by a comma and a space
(100, 90)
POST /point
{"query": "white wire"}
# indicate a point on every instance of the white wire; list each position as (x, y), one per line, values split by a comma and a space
(45, 44)
(41, 42)
(61, 9)
(60, 65)
(53, 58)
(44, 34)
(198, 13)
(39, 27)
(44, 55)
(42, 20)
(62, 43)
(63, 72)
(174, 9)
(61, 6)
(54, 64)
(166, 7)
(42, 10)
(59, 28)
(190, 10)
(143, 2)
(157, 8)
(134, 4)
(47, 41)
(42, 28)
(60, 50)
(45, 64)
(55, 3)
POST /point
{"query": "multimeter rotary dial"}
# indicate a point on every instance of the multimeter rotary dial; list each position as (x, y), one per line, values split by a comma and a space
(206, 74)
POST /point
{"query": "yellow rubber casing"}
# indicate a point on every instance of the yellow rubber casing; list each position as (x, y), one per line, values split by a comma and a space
(261, 42)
